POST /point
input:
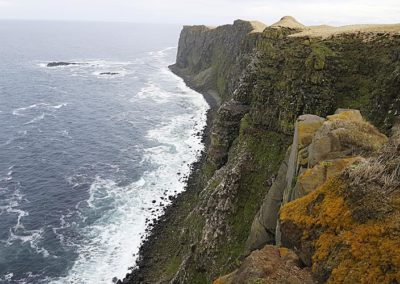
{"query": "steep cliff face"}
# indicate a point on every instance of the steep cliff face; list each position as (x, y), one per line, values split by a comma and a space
(264, 81)
(331, 217)
(211, 59)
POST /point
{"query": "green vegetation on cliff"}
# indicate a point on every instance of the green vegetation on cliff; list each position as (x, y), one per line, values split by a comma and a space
(264, 82)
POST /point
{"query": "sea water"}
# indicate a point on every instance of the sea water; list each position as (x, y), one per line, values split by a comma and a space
(88, 151)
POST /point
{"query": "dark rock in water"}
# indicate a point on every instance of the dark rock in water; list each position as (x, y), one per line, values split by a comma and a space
(109, 73)
(61, 63)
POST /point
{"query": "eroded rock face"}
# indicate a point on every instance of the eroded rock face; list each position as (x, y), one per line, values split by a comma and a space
(305, 128)
(269, 265)
(217, 207)
(225, 130)
(264, 225)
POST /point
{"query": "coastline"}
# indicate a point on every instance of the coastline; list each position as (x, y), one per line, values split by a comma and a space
(211, 96)
(172, 212)
(280, 92)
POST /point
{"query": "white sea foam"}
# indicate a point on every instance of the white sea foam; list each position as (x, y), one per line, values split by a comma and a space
(22, 111)
(36, 119)
(36, 112)
(19, 111)
(153, 92)
(65, 133)
(18, 232)
(7, 277)
(59, 106)
(112, 241)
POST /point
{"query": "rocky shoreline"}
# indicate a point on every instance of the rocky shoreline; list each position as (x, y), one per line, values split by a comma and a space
(172, 212)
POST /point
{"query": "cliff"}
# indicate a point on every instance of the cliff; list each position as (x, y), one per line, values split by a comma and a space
(275, 141)
(211, 59)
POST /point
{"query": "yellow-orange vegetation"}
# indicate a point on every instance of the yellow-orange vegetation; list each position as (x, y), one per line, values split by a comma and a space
(359, 252)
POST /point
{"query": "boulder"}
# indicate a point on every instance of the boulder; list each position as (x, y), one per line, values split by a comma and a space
(312, 178)
(345, 133)
(269, 265)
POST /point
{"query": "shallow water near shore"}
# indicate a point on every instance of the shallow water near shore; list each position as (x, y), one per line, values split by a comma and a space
(88, 151)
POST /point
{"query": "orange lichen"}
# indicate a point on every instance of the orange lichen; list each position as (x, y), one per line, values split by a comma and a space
(306, 131)
(217, 281)
(283, 251)
(314, 177)
(358, 252)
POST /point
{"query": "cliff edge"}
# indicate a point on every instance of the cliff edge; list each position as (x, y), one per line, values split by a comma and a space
(298, 154)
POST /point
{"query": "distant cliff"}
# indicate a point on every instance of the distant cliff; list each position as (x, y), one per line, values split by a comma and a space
(211, 59)
(265, 153)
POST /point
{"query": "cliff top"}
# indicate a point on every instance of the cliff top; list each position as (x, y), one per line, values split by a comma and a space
(258, 27)
(327, 31)
(288, 22)
(323, 31)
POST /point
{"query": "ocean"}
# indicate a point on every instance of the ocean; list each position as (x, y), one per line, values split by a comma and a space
(89, 151)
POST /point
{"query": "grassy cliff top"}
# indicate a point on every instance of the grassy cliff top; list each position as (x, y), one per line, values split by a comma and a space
(322, 31)
(258, 27)
(327, 31)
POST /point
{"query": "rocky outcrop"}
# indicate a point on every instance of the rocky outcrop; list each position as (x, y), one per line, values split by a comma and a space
(324, 226)
(265, 153)
(320, 149)
(347, 230)
(270, 265)
(61, 63)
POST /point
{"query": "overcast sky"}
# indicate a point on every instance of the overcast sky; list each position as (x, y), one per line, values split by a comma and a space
(210, 12)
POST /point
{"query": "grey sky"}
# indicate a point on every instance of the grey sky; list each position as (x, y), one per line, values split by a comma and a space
(211, 12)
